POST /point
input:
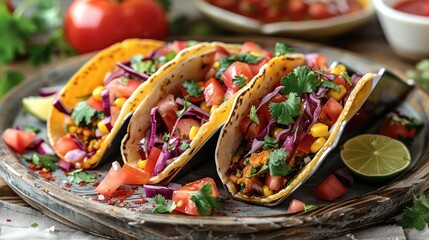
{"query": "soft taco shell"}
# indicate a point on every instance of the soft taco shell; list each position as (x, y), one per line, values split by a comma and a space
(231, 135)
(188, 64)
(90, 76)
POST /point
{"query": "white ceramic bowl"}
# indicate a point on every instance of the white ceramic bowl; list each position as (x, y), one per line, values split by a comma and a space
(311, 29)
(407, 34)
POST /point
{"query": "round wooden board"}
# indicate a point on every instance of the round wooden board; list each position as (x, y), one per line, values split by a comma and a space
(365, 204)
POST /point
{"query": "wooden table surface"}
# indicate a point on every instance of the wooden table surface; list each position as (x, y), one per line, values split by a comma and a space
(367, 41)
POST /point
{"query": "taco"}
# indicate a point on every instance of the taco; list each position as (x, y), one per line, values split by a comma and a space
(282, 126)
(89, 110)
(191, 98)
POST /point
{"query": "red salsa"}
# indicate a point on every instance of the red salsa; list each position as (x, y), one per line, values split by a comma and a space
(415, 7)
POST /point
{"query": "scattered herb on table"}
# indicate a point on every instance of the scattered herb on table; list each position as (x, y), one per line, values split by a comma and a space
(205, 202)
(46, 161)
(162, 205)
(34, 225)
(79, 176)
(421, 73)
(416, 216)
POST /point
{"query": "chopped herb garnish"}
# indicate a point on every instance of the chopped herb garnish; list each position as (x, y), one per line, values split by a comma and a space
(168, 57)
(253, 116)
(225, 62)
(277, 163)
(308, 207)
(141, 66)
(123, 80)
(185, 146)
(270, 142)
(204, 201)
(186, 105)
(257, 171)
(239, 81)
(346, 77)
(45, 161)
(165, 137)
(78, 176)
(281, 48)
(192, 88)
(284, 112)
(331, 85)
(83, 113)
(163, 206)
(34, 225)
(301, 80)
(416, 216)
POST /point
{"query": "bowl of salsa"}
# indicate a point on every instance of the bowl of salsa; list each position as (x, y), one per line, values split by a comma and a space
(308, 19)
(405, 24)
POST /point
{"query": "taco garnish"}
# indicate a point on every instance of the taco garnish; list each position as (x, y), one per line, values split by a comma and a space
(280, 127)
(91, 107)
(192, 98)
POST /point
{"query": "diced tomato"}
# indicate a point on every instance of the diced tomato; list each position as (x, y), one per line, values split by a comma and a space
(167, 109)
(191, 98)
(255, 67)
(341, 81)
(95, 104)
(330, 189)
(274, 183)
(332, 109)
(220, 52)
(296, 10)
(114, 113)
(181, 196)
(134, 175)
(253, 47)
(152, 160)
(18, 139)
(213, 92)
(319, 11)
(323, 118)
(295, 206)
(305, 144)
(123, 87)
(396, 130)
(114, 178)
(64, 144)
(184, 127)
(177, 46)
(236, 69)
(252, 129)
(320, 61)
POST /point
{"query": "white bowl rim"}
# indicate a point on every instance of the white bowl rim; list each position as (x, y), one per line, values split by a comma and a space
(382, 7)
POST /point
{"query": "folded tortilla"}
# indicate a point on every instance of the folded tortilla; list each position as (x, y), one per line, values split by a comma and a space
(231, 136)
(84, 81)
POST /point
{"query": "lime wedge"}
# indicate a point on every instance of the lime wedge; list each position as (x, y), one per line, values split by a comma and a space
(375, 158)
(38, 106)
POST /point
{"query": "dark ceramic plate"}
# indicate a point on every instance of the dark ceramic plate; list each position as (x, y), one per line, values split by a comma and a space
(364, 205)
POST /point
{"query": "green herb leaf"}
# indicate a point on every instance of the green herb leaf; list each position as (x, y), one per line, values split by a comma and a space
(284, 112)
(409, 123)
(165, 137)
(186, 105)
(346, 77)
(270, 142)
(253, 116)
(168, 57)
(77, 176)
(192, 88)
(416, 216)
(31, 128)
(239, 81)
(83, 113)
(308, 207)
(47, 15)
(257, 171)
(34, 225)
(277, 163)
(45, 161)
(301, 80)
(281, 48)
(331, 85)
(162, 206)
(9, 80)
(184, 146)
(204, 201)
(225, 62)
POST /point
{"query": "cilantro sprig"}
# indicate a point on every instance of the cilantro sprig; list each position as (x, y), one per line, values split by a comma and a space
(239, 81)
(192, 88)
(205, 202)
(270, 142)
(301, 80)
(285, 112)
(253, 116)
(225, 62)
(281, 48)
(45, 161)
(163, 206)
(83, 113)
(186, 105)
(416, 216)
(277, 163)
(77, 176)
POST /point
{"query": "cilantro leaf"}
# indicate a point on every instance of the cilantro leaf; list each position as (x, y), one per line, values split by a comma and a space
(277, 163)
(192, 88)
(300, 80)
(204, 201)
(331, 85)
(308, 207)
(239, 81)
(284, 112)
(45, 161)
(9, 80)
(141, 66)
(34, 225)
(186, 105)
(281, 48)
(165, 137)
(47, 15)
(257, 171)
(346, 77)
(225, 62)
(83, 113)
(270, 142)
(163, 206)
(77, 176)
(184, 146)
(416, 216)
(166, 58)
(252, 115)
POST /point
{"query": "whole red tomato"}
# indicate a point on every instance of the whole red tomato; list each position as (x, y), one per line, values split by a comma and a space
(92, 25)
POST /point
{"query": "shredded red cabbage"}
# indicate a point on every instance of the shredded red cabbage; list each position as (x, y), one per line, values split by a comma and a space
(78, 142)
(126, 67)
(59, 105)
(45, 149)
(269, 96)
(65, 166)
(49, 91)
(152, 191)
(113, 75)
(74, 155)
(152, 137)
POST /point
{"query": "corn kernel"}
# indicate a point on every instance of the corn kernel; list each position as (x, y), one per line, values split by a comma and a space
(213, 108)
(119, 102)
(141, 163)
(337, 95)
(319, 130)
(277, 131)
(85, 165)
(193, 132)
(318, 144)
(255, 53)
(216, 64)
(267, 191)
(96, 93)
(72, 129)
(339, 69)
(204, 107)
(87, 132)
(102, 127)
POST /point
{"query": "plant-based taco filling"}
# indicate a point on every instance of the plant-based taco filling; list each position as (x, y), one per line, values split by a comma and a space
(176, 119)
(93, 118)
(287, 127)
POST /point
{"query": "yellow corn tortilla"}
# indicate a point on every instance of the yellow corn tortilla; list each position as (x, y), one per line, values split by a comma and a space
(91, 75)
(231, 135)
